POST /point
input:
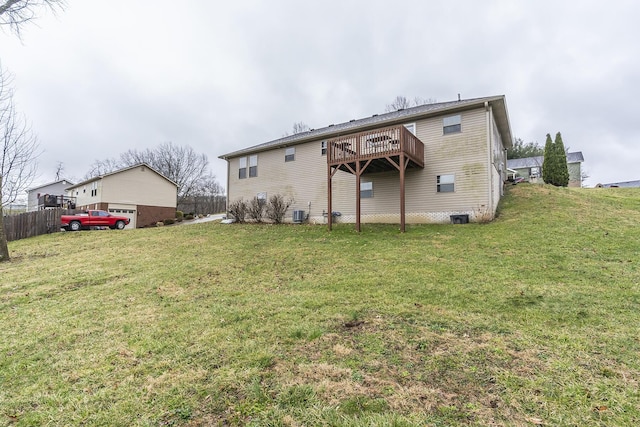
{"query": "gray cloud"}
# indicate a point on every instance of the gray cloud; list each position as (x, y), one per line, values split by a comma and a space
(101, 78)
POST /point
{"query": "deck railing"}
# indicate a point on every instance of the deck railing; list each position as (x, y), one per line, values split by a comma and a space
(52, 201)
(377, 143)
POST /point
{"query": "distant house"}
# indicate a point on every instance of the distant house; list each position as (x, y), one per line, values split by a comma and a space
(435, 163)
(47, 195)
(624, 184)
(530, 168)
(138, 192)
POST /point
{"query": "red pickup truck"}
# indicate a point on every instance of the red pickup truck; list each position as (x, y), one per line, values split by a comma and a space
(90, 219)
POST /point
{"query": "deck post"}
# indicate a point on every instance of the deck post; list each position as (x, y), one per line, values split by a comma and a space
(329, 215)
(358, 195)
(403, 166)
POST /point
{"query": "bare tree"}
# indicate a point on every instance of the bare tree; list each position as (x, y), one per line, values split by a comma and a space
(16, 13)
(18, 152)
(102, 167)
(300, 127)
(4, 249)
(59, 170)
(401, 102)
(18, 146)
(181, 164)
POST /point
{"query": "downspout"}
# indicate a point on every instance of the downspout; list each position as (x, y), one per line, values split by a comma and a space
(487, 109)
(226, 208)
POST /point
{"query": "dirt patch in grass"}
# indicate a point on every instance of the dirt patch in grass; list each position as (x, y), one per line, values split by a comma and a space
(411, 368)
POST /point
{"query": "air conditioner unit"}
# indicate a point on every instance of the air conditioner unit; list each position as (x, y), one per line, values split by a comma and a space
(298, 217)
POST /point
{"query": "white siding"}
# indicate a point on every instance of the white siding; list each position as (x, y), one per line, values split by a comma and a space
(140, 186)
(464, 154)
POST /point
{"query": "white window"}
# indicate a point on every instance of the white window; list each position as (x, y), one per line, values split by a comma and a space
(290, 154)
(445, 183)
(242, 171)
(411, 127)
(94, 188)
(262, 196)
(535, 172)
(366, 190)
(451, 124)
(253, 166)
(323, 149)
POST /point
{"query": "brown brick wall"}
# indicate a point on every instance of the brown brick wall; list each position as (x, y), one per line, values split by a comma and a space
(94, 206)
(149, 215)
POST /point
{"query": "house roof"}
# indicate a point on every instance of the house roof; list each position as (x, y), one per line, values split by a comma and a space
(529, 162)
(623, 184)
(396, 117)
(61, 181)
(99, 177)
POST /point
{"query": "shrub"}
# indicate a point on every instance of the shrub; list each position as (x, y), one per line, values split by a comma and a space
(277, 207)
(168, 221)
(188, 216)
(255, 209)
(238, 210)
(179, 215)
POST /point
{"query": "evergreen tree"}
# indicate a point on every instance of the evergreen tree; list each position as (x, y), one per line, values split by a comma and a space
(561, 178)
(548, 162)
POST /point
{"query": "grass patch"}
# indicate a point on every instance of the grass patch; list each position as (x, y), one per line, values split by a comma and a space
(529, 319)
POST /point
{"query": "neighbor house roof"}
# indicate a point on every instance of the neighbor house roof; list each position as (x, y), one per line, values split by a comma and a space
(396, 117)
(530, 162)
(623, 184)
(61, 181)
(96, 178)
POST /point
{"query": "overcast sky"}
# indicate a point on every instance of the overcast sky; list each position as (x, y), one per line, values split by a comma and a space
(106, 76)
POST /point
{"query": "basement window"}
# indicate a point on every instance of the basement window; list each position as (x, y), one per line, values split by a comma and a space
(451, 124)
(242, 171)
(445, 183)
(366, 190)
(253, 166)
(290, 154)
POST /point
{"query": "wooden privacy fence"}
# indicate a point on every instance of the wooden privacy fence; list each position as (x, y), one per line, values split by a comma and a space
(32, 224)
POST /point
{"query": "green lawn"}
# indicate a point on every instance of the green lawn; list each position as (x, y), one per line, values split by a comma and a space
(530, 320)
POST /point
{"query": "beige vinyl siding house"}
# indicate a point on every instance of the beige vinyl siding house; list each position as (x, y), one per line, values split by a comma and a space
(464, 166)
(138, 192)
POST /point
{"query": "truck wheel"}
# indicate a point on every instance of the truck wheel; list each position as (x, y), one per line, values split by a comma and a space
(75, 226)
(120, 225)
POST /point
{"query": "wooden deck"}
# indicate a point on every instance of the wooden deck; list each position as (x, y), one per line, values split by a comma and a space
(380, 149)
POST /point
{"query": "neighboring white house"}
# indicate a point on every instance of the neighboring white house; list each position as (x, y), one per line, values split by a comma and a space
(530, 168)
(48, 194)
(138, 192)
(432, 163)
(623, 184)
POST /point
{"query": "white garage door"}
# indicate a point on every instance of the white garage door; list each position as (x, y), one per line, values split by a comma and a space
(125, 210)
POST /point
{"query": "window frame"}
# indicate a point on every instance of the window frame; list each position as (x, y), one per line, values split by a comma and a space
(446, 186)
(366, 193)
(253, 166)
(323, 148)
(242, 170)
(290, 154)
(452, 124)
(413, 125)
